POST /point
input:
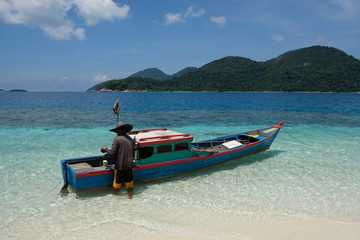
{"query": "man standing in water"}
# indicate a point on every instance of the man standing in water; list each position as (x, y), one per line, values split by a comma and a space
(123, 150)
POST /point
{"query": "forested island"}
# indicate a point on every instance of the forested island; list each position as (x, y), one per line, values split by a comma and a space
(14, 90)
(312, 69)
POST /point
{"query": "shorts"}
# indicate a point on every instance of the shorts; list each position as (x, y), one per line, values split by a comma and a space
(125, 175)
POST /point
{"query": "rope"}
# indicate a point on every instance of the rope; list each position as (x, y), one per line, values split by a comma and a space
(39, 194)
(295, 138)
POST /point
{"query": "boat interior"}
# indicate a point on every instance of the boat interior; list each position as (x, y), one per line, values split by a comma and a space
(90, 164)
(223, 144)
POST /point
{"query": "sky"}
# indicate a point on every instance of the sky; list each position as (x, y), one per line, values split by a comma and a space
(71, 45)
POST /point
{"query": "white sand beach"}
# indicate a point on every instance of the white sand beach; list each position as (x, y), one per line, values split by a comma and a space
(277, 231)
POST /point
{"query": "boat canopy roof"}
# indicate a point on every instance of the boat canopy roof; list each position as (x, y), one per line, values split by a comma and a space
(158, 136)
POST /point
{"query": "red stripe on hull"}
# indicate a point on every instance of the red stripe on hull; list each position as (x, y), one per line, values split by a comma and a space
(165, 141)
(90, 189)
(91, 174)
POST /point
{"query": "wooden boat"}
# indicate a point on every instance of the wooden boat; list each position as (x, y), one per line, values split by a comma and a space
(163, 153)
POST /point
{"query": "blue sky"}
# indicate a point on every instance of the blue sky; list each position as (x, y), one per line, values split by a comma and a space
(70, 45)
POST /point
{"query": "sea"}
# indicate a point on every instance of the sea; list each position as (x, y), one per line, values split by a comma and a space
(311, 173)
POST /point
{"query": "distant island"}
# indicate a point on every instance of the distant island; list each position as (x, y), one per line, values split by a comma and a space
(311, 69)
(14, 90)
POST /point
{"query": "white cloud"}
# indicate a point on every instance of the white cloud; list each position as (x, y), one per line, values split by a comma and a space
(339, 11)
(321, 40)
(349, 7)
(277, 37)
(95, 11)
(100, 78)
(172, 18)
(80, 33)
(190, 13)
(64, 79)
(64, 31)
(220, 21)
(52, 16)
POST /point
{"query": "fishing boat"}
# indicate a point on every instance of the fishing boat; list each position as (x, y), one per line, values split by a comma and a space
(161, 153)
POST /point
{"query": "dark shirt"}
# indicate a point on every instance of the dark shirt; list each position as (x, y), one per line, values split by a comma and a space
(123, 150)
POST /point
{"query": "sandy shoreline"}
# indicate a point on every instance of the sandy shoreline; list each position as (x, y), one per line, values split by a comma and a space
(277, 231)
(308, 230)
(300, 230)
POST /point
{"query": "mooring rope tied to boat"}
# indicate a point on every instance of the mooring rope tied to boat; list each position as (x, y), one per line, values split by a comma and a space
(40, 194)
(295, 137)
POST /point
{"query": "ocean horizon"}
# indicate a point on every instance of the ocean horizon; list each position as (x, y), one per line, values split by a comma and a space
(308, 178)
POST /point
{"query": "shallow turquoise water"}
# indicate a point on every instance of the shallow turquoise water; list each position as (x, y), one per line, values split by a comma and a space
(310, 173)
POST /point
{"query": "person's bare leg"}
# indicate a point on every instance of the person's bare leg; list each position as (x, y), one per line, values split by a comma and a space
(130, 187)
(130, 192)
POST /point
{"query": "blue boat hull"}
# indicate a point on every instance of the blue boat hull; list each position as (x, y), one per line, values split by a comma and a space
(162, 170)
(98, 179)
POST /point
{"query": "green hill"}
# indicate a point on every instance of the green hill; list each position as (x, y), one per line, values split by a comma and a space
(153, 73)
(157, 74)
(221, 75)
(183, 72)
(315, 69)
